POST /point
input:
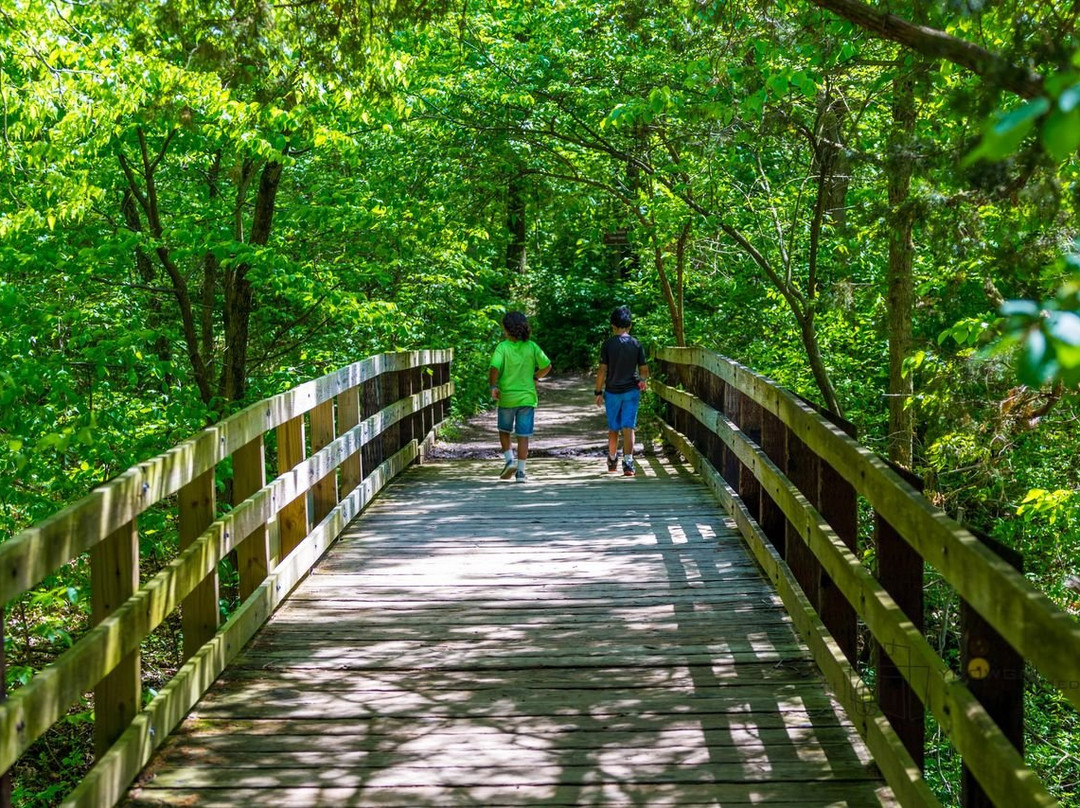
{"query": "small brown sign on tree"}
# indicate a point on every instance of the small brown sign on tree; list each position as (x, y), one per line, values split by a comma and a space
(616, 238)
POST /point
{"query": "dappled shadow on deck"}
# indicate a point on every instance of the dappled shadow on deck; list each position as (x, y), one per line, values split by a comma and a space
(577, 640)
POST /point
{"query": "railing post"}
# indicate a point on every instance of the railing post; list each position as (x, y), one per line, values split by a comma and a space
(325, 491)
(442, 376)
(900, 572)
(803, 469)
(729, 404)
(391, 436)
(114, 577)
(253, 551)
(770, 516)
(348, 410)
(199, 611)
(710, 389)
(750, 414)
(994, 673)
(838, 504)
(427, 382)
(293, 518)
(371, 403)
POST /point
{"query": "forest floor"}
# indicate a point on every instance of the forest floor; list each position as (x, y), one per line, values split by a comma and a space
(568, 424)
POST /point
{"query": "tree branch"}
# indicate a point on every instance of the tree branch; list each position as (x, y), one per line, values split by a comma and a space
(938, 45)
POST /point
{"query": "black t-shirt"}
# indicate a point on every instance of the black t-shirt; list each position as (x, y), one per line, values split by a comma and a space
(623, 355)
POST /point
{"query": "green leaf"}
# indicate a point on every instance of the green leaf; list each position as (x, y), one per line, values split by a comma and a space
(1061, 133)
(1069, 99)
(1064, 326)
(1019, 308)
(1035, 365)
(1064, 330)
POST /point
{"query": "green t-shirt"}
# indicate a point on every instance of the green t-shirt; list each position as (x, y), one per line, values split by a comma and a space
(517, 362)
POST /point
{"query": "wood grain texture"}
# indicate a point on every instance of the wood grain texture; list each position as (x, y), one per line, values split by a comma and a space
(580, 639)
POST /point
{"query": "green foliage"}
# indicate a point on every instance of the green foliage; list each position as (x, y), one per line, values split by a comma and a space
(572, 312)
(405, 139)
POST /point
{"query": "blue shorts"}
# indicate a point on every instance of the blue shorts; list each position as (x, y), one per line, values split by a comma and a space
(522, 416)
(622, 409)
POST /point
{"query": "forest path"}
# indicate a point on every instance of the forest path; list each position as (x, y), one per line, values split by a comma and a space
(568, 424)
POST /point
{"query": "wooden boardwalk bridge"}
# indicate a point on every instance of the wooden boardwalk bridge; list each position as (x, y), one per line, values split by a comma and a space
(692, 636)
(579, 640)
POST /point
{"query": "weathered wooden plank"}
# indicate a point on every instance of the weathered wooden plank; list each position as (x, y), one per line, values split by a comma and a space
(792, 725)
(600, 792)
(697, 625)
(617, 765)
(486, 706)
(679, 678)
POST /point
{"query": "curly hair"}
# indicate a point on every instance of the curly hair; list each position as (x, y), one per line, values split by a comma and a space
(516, 325)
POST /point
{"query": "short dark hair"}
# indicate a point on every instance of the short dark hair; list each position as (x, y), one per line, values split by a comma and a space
(620, 318)
(516, 325)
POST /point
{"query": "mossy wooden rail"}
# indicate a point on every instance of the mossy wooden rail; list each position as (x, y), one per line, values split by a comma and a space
(364, 424)
(791, 478)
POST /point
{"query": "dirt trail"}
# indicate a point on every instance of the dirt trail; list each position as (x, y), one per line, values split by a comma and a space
(568, 424)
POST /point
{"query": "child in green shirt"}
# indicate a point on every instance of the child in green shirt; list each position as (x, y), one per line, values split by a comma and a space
(516, 365)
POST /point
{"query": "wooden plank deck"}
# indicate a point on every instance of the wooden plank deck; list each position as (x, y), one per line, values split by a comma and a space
(581, 639)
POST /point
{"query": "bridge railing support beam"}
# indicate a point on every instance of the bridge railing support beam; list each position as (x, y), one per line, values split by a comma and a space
(994, 672)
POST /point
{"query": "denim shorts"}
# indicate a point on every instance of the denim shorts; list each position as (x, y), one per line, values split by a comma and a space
(622, 409)
(522, 416)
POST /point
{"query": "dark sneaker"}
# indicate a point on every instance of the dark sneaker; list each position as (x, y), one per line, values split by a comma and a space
(628, 469)
(612, 465)
(508, 471)
(519, 477)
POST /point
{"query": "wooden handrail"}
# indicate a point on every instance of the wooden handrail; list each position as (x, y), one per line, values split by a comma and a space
(1042, 633)
(106, 657)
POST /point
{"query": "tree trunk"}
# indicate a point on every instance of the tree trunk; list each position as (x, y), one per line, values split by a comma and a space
(817, 362)
(515, 224)
(901, 295)
(239, 296)
(144, 266)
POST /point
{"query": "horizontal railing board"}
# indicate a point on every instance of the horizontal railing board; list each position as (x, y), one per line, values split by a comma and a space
(1043, 634)
(36, 552)
(985, 748)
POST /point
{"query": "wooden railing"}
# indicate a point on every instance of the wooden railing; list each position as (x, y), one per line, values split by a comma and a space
(364, 424)
(792, 478)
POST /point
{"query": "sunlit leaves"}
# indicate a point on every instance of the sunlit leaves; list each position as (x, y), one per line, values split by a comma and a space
(1048, 504)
